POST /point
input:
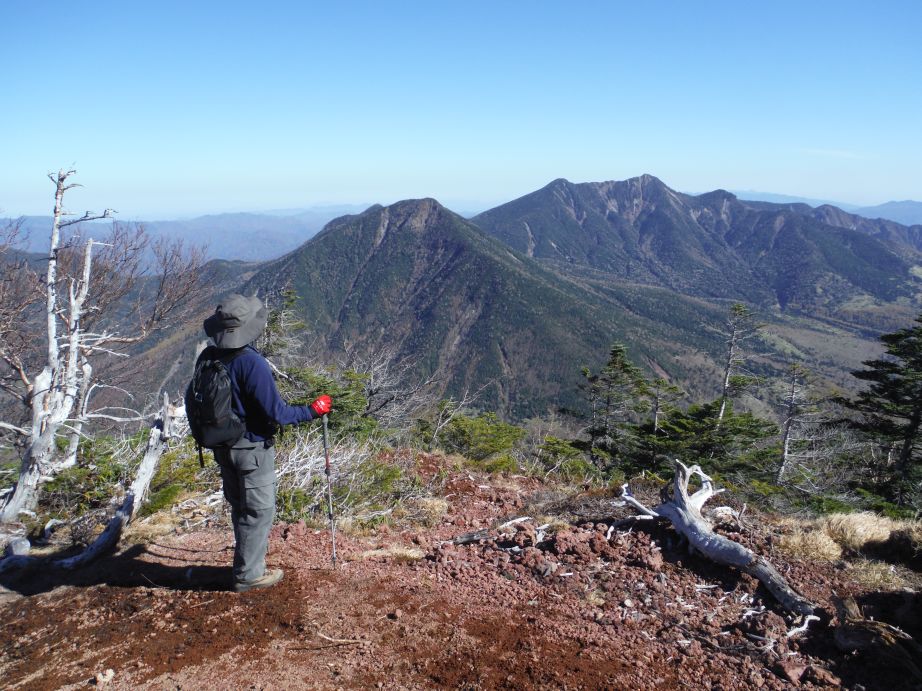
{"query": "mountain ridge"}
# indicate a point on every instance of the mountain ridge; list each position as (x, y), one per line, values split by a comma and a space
(420, 277)
(639, 229)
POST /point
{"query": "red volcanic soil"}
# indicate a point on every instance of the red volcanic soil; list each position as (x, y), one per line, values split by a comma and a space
(578, 607)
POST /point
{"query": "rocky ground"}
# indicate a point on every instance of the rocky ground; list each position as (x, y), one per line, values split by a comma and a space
(539, 603)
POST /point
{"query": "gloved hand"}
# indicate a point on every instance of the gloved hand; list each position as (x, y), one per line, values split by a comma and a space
(322, 405)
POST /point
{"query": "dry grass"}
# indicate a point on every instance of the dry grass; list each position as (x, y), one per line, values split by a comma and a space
(553, 523)
(395, 553)
(810, 543)
(876, 575)
(830, 537)
(853, 531)
(595, 597)
(159, 524)
(428, 511)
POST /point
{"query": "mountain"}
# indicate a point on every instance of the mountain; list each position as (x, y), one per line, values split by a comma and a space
(787, 257)
(523, 296)
(419, 277)
(906, 212)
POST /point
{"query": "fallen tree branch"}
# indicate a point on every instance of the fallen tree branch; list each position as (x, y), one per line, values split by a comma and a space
(684, 512)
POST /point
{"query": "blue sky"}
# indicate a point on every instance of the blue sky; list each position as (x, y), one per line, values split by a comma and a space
(181, 108)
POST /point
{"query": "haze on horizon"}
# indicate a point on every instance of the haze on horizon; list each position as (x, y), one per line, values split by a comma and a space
(179, 109)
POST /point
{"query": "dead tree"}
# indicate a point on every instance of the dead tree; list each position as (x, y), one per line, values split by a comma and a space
(127, 510)
(392, 391)
(78, 289)
(739, 328)
(683, 510)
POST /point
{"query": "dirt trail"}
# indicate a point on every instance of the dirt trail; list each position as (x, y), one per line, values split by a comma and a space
(583, 608)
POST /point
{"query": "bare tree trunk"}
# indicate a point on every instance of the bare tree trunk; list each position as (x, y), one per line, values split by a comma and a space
(131, 504)
(790, 415)
(54, 391)
(739, 328)
(728, 372)
(684, 511)
(82, 406)
(37, 454)
(134, 497)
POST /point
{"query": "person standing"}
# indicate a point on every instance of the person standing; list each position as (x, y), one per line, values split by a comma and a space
(248, 467)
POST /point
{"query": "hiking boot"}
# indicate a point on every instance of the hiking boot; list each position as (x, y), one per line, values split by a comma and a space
(270, 578)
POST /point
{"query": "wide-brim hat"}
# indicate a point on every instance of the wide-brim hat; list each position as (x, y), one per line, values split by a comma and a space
(237, 321)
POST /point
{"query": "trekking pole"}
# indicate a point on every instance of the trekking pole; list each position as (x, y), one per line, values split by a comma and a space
(326, 452)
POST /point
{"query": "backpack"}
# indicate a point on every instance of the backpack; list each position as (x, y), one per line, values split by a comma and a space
(212, 420)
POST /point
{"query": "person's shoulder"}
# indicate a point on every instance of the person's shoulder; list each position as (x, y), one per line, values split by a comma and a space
(239, 358)
(252, 358)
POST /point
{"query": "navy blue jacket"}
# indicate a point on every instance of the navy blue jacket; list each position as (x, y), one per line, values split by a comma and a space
(256, 398)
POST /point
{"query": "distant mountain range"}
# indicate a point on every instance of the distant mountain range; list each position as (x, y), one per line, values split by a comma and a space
(268, 235)
(906, 212)
(234, 236)
(524, 295)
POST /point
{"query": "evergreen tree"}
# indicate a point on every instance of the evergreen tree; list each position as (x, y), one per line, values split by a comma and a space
(654, 442)
(891, 407)
(616, 393)
(740, 445)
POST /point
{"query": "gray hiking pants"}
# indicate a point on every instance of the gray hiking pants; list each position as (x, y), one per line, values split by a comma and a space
(248, 474)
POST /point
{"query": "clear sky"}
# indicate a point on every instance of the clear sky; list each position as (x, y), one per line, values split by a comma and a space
(180, 108)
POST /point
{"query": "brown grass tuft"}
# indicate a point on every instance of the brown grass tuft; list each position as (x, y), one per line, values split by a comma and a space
(395, 552)
(426, 510)
(853, 531)
(876, 575)
(810, 543)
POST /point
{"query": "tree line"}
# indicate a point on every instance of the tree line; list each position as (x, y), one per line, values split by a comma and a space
(821, 451)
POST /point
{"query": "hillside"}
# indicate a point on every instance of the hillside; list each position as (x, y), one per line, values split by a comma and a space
(581, 602)
(420, 277)
(713, 245)
(573, 268)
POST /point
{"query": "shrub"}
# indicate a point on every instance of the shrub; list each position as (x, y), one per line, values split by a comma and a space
(826, 505)
(480, 437)
(578, 470)
(179, 473)
(555, 452)
(347, 390)
(501, 463)
(881, 505)
(90, 484)
(295, 504)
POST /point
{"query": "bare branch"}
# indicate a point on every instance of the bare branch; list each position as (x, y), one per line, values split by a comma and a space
(14, 428)
(88, 216)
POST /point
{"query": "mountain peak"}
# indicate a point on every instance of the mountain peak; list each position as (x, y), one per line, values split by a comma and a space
(647, 179)
(413, 215)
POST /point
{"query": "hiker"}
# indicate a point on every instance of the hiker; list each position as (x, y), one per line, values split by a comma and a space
(248, 466)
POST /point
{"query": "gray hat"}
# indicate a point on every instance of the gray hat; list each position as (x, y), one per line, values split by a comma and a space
(237, 321)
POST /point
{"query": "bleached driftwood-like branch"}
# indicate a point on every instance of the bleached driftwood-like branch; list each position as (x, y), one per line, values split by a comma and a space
(131, 504)
(683, 510)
